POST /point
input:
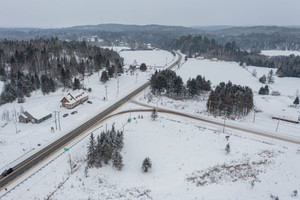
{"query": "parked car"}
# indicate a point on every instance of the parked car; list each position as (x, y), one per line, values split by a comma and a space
(65, 115)
(89, 102)
(7, 171)
(74, 112)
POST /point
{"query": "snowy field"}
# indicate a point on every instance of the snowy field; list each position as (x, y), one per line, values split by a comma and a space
(18, 141)
(221, 71)
(152, 58)
(188, 156)
(182, 151)
(279, 53)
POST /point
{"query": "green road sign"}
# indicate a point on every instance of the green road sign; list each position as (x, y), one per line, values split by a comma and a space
(66, 149)
(129, 119)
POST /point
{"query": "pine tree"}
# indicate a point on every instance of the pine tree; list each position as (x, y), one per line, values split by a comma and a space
(177, 85)
(270, 77)
(91, 152)
(146, 164)
(119, 143)
(143, 67)
(98, 153)
(227, 149)
(104, 77)
(263, 79)
(296, 102)
(154, 114)
(76, 84)
(117, 160)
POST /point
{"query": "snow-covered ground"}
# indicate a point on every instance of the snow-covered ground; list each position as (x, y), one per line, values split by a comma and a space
(182, 151)
(15, 147)
(188, 156)
(279, 53)
(152, 59)
(223, 72)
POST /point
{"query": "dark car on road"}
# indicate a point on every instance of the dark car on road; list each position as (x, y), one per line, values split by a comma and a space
(89, 102)
(65, 115)
(74, 112)
(7, 171)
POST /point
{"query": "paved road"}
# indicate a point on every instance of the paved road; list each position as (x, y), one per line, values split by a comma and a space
(212, 121)
(21, 168)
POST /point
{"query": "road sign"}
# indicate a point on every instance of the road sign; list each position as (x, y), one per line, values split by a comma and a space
(66, 149)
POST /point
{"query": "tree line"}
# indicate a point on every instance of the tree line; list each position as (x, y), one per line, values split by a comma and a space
(202, 46)
(230, 99)
(26, 66)
(166, 81)
(105, 148)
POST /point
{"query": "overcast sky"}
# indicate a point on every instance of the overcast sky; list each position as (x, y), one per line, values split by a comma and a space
(65, 13)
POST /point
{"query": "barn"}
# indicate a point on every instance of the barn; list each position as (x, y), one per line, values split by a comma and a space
(35, 115)
(73, 99)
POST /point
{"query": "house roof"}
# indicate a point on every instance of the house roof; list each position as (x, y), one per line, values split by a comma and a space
(38, 112)
(74, 96)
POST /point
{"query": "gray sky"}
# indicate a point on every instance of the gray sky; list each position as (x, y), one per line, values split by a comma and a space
(65, 13)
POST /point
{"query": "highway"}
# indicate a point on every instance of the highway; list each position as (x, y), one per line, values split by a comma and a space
(21, 168)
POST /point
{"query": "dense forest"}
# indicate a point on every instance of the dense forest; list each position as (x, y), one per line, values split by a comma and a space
(229, 99)
(202, 46)
(47, 64)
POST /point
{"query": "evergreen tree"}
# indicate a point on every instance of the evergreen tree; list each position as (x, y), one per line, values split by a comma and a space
(98, 153)
(143, 67)
(146, 164)
(104, 77)
(192, 87)
(154, 114)
(296, 102)
(227, 149)
(110, 71)
(263, 79)
(117, 160)
(264, 90)
(270, 77)
(91, 152)
(178, 85)
(76, 84)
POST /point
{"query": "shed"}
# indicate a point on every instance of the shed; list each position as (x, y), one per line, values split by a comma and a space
(35, 115)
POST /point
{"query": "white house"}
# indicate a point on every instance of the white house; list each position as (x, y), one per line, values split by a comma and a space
(74, 98)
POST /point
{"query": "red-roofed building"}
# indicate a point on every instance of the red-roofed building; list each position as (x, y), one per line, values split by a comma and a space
(74, 99)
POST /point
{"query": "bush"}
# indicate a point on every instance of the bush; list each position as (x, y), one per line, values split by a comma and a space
(146, 164)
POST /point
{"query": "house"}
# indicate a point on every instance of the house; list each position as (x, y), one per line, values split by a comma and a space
(74, 99)
(200, 58)
(214, 59)
(35, 115)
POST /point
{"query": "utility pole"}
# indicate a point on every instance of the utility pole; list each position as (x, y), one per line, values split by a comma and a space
(136, 76)
(70, 161)
(55, 120)
(59, 120)
(224, 124)
(277, 124)
(254, 116)
(106, 91)
(117, 87)
(209, 103)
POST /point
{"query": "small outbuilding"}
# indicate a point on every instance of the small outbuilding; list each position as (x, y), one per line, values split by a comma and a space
(35, 115)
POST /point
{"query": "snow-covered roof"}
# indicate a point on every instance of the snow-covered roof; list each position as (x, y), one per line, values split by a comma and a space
(74, 96)
(38, 112)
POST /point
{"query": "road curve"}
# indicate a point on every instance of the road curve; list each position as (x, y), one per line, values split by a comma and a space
(211, 121)
(21, 168)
